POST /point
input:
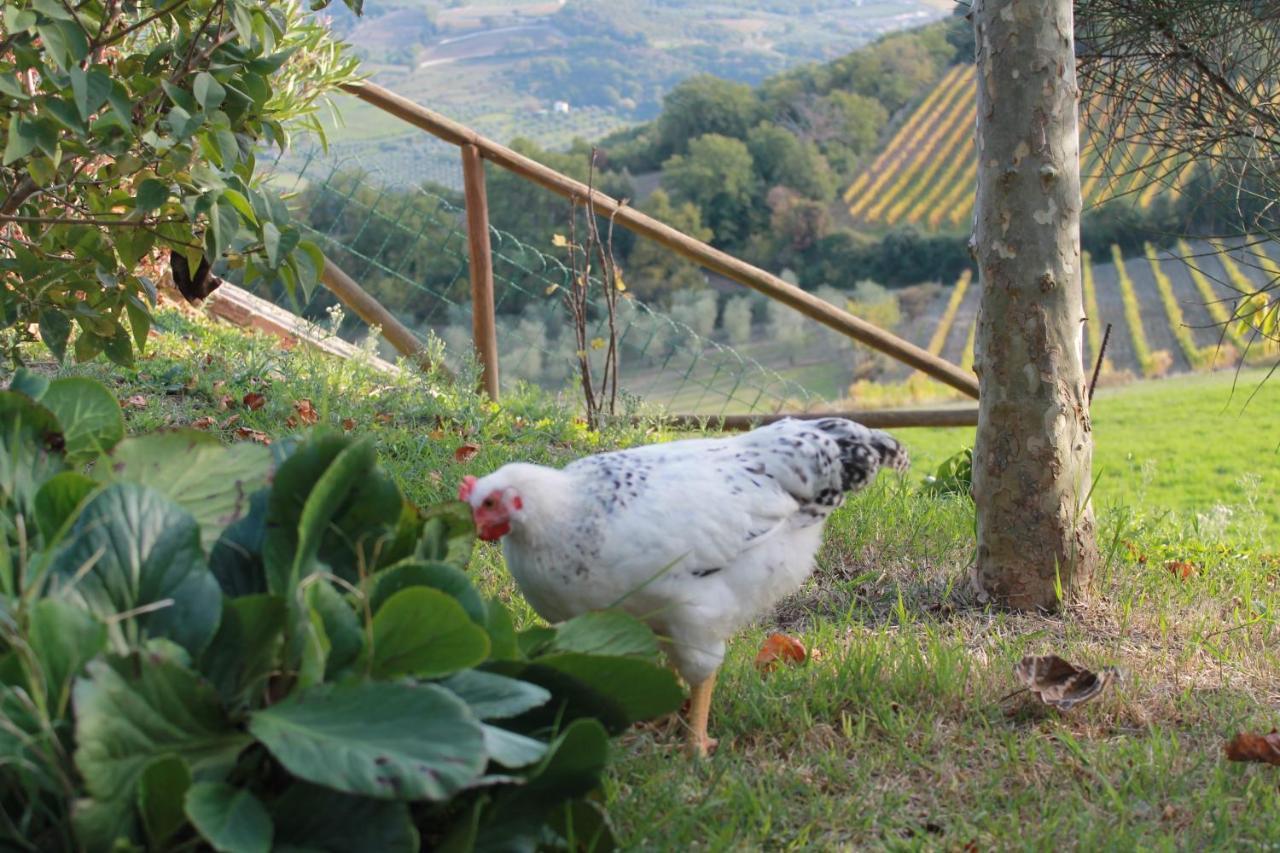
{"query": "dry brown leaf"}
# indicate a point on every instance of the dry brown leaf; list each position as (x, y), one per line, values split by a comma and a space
(466, 452)
(306, 412)
(1180, 568)
(383, 417)
(779, 647)
(226, 401)
(348, 424)
(203, 423)
(231, 421)
(254, 401)
(1061, 684)
(1247, 747)
(137, 401)
(291, 422)
(436, 435)
(243, 433)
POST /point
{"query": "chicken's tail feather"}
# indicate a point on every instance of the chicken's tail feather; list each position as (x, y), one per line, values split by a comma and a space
(863, 451)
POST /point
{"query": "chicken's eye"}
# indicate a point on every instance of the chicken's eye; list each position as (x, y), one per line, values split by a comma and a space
(488, 502)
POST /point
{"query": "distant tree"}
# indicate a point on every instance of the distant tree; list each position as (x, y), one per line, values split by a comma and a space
(654, 271)
(736, 320)
(783, 160)
(795, 224)
(695, 308)
(718, 175)
(705, 105)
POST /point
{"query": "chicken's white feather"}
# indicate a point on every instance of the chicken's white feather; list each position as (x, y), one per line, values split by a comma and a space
(695, 537)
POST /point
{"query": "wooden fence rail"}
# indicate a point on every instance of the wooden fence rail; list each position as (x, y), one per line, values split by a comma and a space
(476, 148)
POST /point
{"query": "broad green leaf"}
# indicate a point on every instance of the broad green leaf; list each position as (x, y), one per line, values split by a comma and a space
(55, 329)
(211, 481)
(231, 819)
(492, 696)
(236, 558)
(208, 91)
(308, 817)
(17, 20)
(29, 382)
(502, 634)
(90, 416)
(118, 347)
(573, 768)
(425, 632)
(65, 42)
(21, 141)
(183, 123)
(132, 710)
(63, 638)
(448, 534)
(246, 649)
(90, 89)
(441, 576)
(586, 824)
(606, 632)
(57, 501)
(271, 242)
(341, 626)
(130, 548)
(139, 322)
(330, 509)
(384, 740)
(30, 449)
(161, 791)
(614, 690)
(512, 750)
(151, 195)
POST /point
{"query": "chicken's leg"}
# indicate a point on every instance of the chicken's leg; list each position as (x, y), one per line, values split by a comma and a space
(699, 709)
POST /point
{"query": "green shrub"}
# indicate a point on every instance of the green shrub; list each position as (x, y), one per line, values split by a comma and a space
(254, 648)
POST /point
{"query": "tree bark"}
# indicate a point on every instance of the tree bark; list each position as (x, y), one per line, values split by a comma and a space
(1032, 455)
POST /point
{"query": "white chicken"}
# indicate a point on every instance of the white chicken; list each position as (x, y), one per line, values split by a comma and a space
(694, 537)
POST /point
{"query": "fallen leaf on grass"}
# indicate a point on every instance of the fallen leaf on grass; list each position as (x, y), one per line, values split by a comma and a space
(219, 384)
(466, 452)
(348, 424)
(254, 401)
(383, 417)
(436, 435)
(1180, 569)
(137, 401)
(306, 412)
(230, 422)
(225, 402)
(1061, 684)
(291, 422)
(243, 433)
(779, 647)
(1247, 747)
(203, 423)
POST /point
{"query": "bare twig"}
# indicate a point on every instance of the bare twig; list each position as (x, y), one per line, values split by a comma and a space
(1097, 365)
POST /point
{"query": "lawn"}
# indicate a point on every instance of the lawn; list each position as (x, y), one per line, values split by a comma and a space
(900, 732)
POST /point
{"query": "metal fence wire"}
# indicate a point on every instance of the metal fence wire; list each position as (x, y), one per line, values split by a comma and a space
(408, 249)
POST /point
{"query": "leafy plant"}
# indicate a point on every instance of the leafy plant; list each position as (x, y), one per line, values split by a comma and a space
(132, 137)
(953, 477)
(249, 649)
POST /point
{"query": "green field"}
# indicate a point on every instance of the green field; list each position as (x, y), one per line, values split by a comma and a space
(902, 733)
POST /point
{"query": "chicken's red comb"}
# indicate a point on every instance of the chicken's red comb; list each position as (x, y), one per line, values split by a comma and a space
(466, 487)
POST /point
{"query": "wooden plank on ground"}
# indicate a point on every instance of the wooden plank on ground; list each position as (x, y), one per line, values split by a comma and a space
(241, 308)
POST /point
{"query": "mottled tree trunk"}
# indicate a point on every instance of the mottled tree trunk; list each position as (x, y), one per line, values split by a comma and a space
(1031, 462)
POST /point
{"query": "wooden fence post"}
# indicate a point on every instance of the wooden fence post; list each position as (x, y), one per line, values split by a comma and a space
(483, 325)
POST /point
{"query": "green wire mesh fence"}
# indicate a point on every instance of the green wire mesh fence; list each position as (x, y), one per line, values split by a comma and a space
(408, 248)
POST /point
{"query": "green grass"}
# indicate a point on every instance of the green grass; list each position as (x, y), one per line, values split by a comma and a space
(900, 735)
(1182, 447)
